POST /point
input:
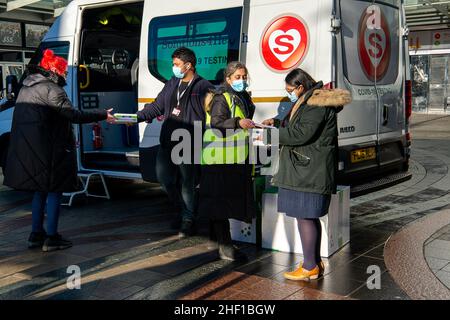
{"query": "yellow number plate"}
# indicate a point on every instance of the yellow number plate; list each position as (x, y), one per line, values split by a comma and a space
(363, 155)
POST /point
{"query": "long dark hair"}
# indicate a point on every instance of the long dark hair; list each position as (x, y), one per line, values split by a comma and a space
(298, 77)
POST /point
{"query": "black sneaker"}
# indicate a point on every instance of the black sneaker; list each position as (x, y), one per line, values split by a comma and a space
(187, 229)
(231, 253)
(36, 239)
(56, 242)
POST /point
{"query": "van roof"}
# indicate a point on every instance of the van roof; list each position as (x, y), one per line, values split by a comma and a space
(65, 25)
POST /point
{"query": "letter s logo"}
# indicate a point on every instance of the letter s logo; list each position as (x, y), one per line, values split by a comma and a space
(374, 43)
(284, 43)
(289, 47)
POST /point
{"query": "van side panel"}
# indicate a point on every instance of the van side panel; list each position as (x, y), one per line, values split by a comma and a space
(267, 85)
(210, 51)
(370, 65)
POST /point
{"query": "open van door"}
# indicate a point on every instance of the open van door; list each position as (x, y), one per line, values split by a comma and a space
(211, 28)
(371, 128)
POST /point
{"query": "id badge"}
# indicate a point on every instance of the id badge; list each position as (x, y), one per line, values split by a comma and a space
(176, 112)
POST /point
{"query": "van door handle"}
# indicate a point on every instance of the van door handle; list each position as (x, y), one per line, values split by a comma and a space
(88, 76)
(386, 113)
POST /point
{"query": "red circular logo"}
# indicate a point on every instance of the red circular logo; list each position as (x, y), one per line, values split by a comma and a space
(284, 43)
(374, 43)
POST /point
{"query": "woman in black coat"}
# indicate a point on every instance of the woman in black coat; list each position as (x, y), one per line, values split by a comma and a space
(42, 153)
(306, 177)
(226, 190)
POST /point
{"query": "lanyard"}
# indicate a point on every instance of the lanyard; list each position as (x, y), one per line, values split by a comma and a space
(180, 95)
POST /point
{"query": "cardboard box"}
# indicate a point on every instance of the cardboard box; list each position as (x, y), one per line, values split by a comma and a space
(280, 232)
(243, 232)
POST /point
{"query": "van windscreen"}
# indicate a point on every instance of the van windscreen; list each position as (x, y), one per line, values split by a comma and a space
(214, 36)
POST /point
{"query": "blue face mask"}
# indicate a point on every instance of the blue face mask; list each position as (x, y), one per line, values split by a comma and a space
(292, 96)
(239, 85)
(177, 72)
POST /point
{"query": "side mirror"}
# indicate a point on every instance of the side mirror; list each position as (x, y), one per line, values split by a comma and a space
(12, 87)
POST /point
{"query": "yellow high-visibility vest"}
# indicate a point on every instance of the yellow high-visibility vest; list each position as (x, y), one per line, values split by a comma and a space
(225, 150)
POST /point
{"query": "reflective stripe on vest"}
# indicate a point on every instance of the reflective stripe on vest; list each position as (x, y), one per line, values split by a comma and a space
(232, 149)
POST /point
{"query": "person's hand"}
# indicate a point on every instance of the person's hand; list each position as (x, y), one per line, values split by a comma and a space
(269, 122)
(258, 137)
(246, 124)
(110, 118)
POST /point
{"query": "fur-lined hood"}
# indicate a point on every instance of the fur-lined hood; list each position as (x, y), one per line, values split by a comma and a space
(329, 98)
(319, 97)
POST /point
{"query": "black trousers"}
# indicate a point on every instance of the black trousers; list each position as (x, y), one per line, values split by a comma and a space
(220, 231)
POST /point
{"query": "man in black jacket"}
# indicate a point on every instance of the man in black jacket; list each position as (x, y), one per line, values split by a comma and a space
(182, 103)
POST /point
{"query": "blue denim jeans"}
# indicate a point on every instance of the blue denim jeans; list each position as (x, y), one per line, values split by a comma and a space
(53, 201)
(179, 182)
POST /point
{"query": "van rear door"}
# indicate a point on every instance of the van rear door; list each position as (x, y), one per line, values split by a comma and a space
(212, 29)
(371, 127)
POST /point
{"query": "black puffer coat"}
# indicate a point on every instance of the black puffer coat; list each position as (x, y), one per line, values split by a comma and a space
(42, 153)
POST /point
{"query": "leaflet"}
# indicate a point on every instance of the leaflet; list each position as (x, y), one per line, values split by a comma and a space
(263, 126)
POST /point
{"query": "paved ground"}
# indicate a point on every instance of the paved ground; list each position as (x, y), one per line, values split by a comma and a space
(126, 249)
(437, 254)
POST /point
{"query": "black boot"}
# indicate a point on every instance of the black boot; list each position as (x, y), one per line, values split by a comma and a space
(227, 251)
(36, 239)
(56, 242)
(188, 229)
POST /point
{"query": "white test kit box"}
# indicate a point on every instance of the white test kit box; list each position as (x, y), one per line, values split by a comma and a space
(280, 232)
(243, 232)
(125, 118)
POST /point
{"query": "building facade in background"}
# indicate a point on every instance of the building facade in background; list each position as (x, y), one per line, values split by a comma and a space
(430, 68)
(23, 23)
(429, 45)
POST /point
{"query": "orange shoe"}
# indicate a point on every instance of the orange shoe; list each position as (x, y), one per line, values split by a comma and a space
(303, 275)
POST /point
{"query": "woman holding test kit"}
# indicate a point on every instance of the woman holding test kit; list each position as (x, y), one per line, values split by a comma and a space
(226, 185)
(306, 177)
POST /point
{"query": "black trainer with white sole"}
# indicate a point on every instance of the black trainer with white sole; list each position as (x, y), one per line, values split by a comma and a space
(36, 239)
(56, 242)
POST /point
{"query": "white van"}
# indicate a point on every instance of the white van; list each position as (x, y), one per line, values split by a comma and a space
(120, 57)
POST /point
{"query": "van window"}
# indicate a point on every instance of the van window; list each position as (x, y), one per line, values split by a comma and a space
(110, 57)
(110, 47)
(60, 48)
(365, 49)
(214, 36)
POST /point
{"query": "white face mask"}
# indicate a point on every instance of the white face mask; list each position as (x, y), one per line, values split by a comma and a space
(292, 96)
(178, 73)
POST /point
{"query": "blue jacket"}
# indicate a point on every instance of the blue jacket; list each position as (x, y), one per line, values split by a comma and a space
(195, 110)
